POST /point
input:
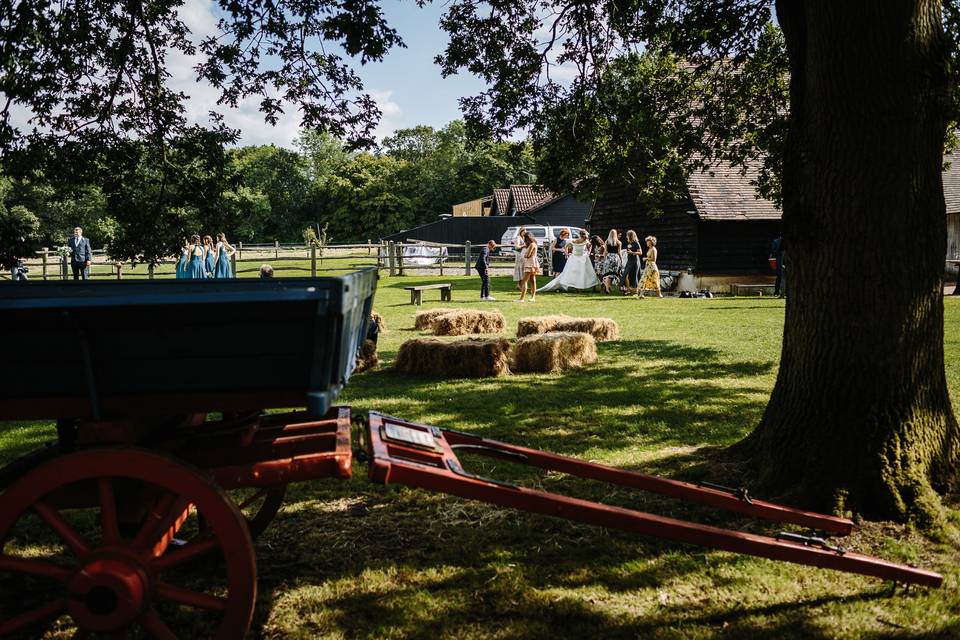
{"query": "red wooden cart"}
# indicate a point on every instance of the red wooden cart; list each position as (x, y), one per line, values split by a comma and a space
(158, 470)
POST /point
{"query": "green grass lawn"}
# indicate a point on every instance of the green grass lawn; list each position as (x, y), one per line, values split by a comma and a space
(349, 559)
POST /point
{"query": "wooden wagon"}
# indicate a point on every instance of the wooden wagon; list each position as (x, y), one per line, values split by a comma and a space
(166, 460)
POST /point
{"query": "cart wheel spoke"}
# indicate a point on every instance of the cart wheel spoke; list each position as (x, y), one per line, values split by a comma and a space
(13, 564)
(51, 609)
(161, 525)
(194, 549)
(195, 599)
(64, 529)
(108, 512)
(153, 624)
(249, 501)
(116, 587)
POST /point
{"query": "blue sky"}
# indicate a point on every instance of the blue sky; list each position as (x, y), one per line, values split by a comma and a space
(407, 85)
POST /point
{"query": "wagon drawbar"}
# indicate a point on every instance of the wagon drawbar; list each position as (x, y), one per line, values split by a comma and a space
(148, 502)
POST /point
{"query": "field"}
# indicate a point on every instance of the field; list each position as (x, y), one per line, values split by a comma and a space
(688, 377)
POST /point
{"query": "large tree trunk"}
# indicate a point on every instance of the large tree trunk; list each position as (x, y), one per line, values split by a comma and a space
(860, 418)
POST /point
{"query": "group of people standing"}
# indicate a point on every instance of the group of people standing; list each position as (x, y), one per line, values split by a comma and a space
(201, 259)
(526, 266)
(580, 262)
(640, 273)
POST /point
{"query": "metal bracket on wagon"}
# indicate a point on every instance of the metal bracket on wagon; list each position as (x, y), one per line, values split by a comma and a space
(424, 456)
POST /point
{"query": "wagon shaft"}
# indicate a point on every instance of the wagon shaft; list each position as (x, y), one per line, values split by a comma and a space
(424, 456)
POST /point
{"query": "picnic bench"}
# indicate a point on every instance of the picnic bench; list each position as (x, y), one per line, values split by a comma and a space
(416, 292)
(741, 289)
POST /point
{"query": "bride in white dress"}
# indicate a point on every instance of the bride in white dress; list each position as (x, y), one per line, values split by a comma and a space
(578, 273)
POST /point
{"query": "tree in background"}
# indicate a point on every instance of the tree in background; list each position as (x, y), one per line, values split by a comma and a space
(860, 418)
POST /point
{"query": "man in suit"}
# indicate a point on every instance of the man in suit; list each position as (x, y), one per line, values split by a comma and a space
(483, 269)
(80, 255)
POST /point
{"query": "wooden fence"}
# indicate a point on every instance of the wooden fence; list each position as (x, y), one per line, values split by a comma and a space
(289, 259)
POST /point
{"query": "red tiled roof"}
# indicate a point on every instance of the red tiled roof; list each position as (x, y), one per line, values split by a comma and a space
(526, 197)
(723, 193)
(501, 198)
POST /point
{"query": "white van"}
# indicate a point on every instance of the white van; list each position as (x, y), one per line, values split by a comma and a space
(543, 234)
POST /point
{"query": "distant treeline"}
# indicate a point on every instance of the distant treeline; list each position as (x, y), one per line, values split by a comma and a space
(137, 206)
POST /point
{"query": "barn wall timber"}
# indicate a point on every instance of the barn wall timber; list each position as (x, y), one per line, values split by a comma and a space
(675, 227)
(740, 246)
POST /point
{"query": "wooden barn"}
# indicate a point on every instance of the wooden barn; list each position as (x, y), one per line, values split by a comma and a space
(719, 230)
(544, 206)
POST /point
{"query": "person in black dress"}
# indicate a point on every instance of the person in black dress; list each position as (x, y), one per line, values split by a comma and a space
(559, 260)
(631, 275)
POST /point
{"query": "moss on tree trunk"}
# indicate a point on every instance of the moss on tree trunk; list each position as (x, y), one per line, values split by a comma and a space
(860, 417)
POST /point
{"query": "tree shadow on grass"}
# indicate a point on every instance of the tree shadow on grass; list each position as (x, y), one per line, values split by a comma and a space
(413, 564)
(644, 393)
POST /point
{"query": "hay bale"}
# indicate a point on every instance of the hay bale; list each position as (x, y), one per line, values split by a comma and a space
(459, 323)
(379, 321)
(553, 351)
(538, 324)
(367, 358)
(425, 319)
(469, 358)
(602, 329)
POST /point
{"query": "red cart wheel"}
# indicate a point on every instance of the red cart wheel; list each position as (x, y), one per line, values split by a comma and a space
(259, 506)
(104, 532)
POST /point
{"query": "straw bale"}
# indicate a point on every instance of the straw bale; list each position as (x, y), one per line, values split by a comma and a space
(538, 324)
(379, 321)
(367, 358)
(468, 358)
(425, 319)
(553, 351)
(602, 329)
(458, 323)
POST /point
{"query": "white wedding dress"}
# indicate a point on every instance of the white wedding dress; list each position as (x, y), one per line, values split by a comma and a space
(577, 274)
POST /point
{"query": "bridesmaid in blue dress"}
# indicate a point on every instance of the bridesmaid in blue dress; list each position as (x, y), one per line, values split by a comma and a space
(195, 268)
(182, 262)
(210, 258)
(224, 252)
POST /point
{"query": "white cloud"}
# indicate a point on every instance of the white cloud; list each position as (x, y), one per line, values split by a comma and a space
(392, 118)
(199, 16)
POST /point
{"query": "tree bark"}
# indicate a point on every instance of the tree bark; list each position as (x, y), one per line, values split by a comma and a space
(860, 418)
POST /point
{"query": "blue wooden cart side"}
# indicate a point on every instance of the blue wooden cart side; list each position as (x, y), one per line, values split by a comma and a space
(99, 351)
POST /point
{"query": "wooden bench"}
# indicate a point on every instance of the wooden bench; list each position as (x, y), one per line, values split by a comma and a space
(740, 289)
(416, 293)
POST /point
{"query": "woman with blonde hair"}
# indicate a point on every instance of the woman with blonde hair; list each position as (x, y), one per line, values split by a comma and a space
(531, 267)
(611, 261)
(651, 275)
(210, 256)
(224, 253)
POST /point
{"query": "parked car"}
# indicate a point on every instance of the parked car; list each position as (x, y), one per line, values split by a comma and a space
(540, 232)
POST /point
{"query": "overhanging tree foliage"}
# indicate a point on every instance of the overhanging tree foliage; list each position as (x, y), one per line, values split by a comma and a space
(93, 80)
(860, 417)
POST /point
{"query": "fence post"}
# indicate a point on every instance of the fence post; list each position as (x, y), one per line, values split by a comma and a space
(233, 263)
(44, 263)
(466, 258)
(119, 266)
(63, 267)
(240, 249)
(368, 246)
(150, 269)
(276, 248)
(313, 261)
(399, 248)
(391, 259)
